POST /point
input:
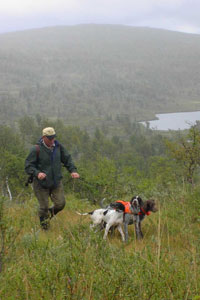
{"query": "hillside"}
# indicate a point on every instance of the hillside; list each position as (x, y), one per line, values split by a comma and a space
(71, 261)
(91, 73)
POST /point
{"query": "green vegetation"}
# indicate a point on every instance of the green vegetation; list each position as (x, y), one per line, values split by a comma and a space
(103, 79)
(97, 74)
(72, 262)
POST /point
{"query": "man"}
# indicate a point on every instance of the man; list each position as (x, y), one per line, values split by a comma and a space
(44, 163)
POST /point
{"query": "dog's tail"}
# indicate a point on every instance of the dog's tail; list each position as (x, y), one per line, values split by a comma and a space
(84, 214)
(102, 203)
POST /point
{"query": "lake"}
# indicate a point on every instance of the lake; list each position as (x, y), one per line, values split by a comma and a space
(174, 121)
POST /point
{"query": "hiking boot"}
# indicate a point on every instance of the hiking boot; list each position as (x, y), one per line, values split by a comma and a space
(44, 223)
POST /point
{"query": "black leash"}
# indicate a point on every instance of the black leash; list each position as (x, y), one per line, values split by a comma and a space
(88, 183)
(30, 180)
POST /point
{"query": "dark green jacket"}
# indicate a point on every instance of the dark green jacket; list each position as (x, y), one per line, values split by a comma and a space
(49, 162)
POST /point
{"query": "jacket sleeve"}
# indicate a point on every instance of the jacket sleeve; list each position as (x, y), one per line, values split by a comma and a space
(31, 163)
(67, 160)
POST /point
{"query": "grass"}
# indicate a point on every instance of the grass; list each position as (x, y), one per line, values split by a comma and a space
(72, 262)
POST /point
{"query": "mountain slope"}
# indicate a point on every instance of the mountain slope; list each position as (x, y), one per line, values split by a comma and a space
(96, 72)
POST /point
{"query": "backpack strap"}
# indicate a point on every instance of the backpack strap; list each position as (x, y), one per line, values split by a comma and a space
(37, 151)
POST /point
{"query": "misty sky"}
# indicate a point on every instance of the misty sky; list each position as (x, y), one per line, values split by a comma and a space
(177, 15)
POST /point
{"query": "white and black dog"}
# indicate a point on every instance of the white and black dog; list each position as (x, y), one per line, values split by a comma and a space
(115, 216)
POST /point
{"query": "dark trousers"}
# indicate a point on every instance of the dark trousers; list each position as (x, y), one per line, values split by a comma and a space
(55, 194)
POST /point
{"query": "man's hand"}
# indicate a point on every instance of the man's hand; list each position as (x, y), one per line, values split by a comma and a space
(41, 176)
(75, 175)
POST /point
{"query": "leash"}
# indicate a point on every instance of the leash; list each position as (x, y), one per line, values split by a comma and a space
(88, 183)
(30, 180)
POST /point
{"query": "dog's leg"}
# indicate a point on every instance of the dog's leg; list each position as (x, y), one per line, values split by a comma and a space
(138, 231)
(126, 222)
(119, 227)
(96, 225)
(126, 231)
(92, 226)
(107, 228)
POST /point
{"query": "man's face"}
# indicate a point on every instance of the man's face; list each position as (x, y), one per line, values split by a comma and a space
(49, 141)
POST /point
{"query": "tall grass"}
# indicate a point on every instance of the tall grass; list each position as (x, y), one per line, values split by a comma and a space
(72, 262)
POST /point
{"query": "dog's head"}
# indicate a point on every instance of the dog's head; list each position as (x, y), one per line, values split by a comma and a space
(138, 199)
(151, 205)
(136, 203)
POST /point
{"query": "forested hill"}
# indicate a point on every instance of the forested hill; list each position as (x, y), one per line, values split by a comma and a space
(90, 73)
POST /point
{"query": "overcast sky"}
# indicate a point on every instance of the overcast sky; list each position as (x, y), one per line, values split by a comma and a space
(177, 15)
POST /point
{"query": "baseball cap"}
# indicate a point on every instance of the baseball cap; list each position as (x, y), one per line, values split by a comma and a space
(49, 132)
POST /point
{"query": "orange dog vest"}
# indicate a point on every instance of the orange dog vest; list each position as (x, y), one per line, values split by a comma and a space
(127, 206)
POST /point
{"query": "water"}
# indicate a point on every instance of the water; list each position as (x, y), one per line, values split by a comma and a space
(174, 121)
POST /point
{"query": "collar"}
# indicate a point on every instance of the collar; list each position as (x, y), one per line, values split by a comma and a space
(50, 148)
(143, 212)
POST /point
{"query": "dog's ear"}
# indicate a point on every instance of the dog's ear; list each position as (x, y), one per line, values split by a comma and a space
(148, 205)
(140, 201)
(132, 199)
